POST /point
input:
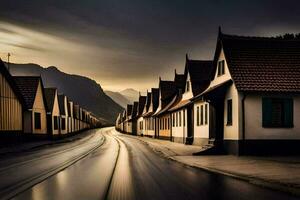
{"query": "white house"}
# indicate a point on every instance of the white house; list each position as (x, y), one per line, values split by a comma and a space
(197, 78)
(34, 116)
(254, 95)
(149, 119)
(140, 123)
(64, 115)
(53, 112)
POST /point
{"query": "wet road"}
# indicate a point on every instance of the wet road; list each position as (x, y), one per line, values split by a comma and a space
(126, 168)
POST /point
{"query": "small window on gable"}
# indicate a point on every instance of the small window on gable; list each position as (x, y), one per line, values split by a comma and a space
(221, 67)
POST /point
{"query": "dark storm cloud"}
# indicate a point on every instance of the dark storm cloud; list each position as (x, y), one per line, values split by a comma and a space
(142, 38)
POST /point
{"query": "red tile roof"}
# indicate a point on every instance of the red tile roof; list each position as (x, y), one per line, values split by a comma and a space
(262, 64)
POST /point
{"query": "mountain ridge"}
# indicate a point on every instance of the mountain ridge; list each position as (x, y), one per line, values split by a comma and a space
(80, 89)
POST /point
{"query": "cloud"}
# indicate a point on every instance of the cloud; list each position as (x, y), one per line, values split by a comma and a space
(122, 43)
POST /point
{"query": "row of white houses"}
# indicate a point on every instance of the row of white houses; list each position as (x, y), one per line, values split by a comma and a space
(27, 108)
(246, 100)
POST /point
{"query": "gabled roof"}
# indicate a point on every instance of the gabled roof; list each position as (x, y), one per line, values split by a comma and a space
(167, 91)
(200, 72)
(28, 86)
(50, 97)
(129, 109)
(148, 100)
(261, 64)
(61, 103)
(11, 82)
(142, 102)
(155, 98)
(179, 81)
(134, 109)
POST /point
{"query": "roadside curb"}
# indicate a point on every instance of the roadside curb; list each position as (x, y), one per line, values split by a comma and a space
(255, 181)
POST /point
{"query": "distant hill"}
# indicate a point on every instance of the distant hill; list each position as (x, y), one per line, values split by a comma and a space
(118, 98)
(79, 89)
(131, 94)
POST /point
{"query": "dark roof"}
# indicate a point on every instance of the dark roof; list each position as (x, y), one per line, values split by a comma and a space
(134, 109)
(148, 101)
(50, 97)
(11, 82)
(200, 72)
(155, 98)
(260, 63)
(167, 91)
(179, 80)
(27, 86)
(61, 103)
(142, 102)
(129, 109)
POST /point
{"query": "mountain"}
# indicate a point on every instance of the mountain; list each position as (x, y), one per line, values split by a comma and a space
(131, 94)
(82, 90)
(118, 98)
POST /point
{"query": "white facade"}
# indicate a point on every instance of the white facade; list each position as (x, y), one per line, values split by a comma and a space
(253, 121)
(201, 122)
(179, 125)
(140, 126)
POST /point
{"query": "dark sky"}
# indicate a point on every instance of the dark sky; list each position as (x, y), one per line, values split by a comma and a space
(122, 43)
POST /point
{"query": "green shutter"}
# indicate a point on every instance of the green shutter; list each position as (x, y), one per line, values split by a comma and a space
(288, 113)
(266, 112)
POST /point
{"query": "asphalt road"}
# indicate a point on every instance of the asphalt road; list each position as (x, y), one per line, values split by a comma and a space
(123, 167)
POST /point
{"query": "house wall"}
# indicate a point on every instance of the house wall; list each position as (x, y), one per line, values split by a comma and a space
(223, 78)
(66, 117)
(149, 127)
(129, 127)
(179, 132)
(201, 132)
(232, 132)
(55, 113)
(39, 106)
(253, 120)
(10, 109)
(164, 126)
(140, 128)
(188, 94)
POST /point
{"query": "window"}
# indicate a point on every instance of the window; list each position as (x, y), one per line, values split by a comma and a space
(206, 114)
(160, 124)
(187, 86)
(277, 112)
(173, 119)
(176, 119)
(63, 123)
(183, 117)
(201, 115)
(168, 123)
(198, 121)
(55, 121)
(229, 112)
(180, 118)
(37, 120)
(221, 67)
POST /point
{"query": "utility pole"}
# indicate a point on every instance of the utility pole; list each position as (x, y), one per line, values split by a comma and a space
(8, 55)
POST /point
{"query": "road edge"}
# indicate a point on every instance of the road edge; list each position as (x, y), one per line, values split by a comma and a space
(255, 181)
